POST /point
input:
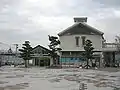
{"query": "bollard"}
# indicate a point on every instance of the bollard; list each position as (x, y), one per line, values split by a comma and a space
(83, 86)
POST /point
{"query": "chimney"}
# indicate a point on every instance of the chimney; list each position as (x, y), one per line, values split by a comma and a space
(81, 19)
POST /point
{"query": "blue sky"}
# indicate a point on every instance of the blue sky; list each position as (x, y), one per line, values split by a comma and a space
(33, 20)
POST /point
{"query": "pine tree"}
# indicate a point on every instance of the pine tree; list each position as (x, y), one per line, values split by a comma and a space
(26, 52)
(54, 42)
(88, 54)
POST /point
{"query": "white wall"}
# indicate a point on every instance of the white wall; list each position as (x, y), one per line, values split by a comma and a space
(68, 42)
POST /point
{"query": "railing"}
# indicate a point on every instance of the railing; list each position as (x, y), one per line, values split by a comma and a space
(110, 45)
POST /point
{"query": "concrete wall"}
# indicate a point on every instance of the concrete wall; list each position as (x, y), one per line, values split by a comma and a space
(68, 42)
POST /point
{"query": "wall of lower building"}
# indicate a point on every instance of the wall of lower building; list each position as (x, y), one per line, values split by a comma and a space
(11, 59)
(117, 57)
(71, 58)
(111, 58)
(41, 61)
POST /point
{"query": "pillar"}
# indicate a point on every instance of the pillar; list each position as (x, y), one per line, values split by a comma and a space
(33, 62)
(113, 61)
(51, 61)
(101, 62)
(38, 62)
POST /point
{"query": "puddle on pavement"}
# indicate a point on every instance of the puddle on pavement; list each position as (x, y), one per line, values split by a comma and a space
(55, 80)
(16, 76)
(15, 87)
(3, 82)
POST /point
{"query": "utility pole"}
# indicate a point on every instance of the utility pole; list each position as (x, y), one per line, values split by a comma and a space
(0, 60)
(16, 48)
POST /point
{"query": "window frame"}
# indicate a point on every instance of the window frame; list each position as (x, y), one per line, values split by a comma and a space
(77, 38)
(83, 40)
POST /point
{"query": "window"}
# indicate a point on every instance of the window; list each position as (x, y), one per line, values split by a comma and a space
(77, 41)
(43, 52)
(71, 58)
(83, 40)
(76, 58)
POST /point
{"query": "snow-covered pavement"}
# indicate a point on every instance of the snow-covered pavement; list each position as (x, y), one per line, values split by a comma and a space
(56, 79)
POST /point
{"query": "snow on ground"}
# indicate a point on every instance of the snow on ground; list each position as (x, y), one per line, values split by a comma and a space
(56, 79)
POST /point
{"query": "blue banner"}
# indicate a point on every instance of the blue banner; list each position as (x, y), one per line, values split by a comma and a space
(70, 60)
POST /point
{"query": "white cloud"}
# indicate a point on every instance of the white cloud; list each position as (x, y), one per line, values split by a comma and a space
(34, 19)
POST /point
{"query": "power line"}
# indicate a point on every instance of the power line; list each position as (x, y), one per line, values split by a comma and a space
(4, 43)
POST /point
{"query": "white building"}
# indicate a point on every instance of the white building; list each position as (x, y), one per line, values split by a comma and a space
(73, 39)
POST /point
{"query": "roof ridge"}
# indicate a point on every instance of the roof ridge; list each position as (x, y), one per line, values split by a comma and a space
(75, 24)
(68, 28)
(42, 47)
(92, 27)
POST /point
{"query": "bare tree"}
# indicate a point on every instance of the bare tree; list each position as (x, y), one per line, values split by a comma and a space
(117, 41)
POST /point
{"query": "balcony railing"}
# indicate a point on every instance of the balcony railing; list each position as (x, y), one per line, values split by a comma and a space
(110, 45)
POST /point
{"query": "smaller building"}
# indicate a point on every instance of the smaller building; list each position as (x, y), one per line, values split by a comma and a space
(41, 56)
(111, 54)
